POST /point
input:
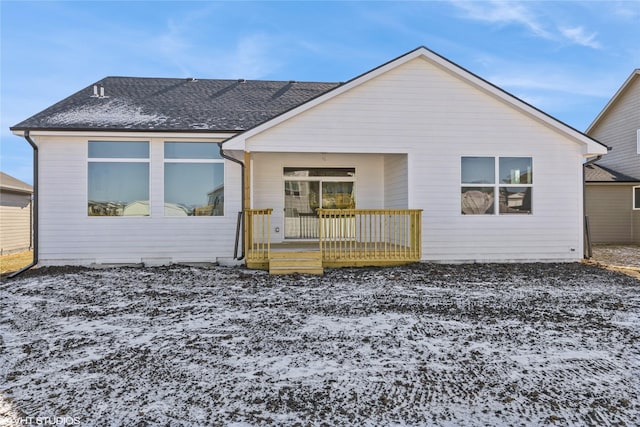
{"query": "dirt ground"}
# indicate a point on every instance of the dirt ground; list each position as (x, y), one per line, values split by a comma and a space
(623, 258)
(426, 344)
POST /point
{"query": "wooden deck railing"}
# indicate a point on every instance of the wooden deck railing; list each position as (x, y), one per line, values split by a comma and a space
(258, 235)
(347, 237)
(370, 236)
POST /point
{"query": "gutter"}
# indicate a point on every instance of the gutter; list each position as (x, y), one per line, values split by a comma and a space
(34, 207)
(242, 191)
(585, 225)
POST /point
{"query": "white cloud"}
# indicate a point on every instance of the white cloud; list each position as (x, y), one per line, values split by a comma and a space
(540, 23)
(628, 10)
(172, 45)
(503, 12)
(251, 57)
(546, 80)
(578, 36)
(188, 44)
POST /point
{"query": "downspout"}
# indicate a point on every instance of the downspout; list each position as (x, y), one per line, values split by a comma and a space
(585, 224)
(224, 156)
(34, 262)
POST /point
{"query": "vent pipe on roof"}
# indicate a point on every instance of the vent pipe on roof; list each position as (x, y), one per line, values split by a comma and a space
(242, 80)
(98, 91)
(192, 79)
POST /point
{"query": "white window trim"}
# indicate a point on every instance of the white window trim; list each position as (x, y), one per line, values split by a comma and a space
(638, 142)
(496, 185)
(321, 179)
(118, 160)
(633, 198)
(192, 161)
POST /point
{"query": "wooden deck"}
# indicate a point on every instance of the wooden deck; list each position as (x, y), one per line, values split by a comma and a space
(348, 238)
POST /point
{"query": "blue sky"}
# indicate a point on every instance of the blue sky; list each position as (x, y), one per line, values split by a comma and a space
(567, 58)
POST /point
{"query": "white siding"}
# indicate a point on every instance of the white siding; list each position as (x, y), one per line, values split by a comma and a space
(268, 180)
(395, 181)
(69, 236)
(435, 117)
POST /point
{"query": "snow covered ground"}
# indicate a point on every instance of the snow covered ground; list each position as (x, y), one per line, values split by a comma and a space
(417, 345)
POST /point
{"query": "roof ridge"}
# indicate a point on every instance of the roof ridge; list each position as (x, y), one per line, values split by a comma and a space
(197, 79)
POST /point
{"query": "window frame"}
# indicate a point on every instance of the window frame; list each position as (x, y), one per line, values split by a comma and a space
(166, 161)
(635, 201)
(352, 177)
(142, 160)
(496, 185)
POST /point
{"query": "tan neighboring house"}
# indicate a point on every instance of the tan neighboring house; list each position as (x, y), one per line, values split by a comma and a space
(613, 182)
(15, 215)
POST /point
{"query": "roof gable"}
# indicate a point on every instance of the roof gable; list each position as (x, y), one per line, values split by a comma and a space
(592, 147)
(176, 105)
(634, 77)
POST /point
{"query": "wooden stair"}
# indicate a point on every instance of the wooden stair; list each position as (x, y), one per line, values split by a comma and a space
(289, 262)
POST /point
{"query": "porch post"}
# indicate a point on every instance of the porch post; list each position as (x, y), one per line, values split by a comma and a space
(246, 203)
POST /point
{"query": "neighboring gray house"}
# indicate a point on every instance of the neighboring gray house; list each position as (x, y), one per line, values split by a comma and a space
(15, 215)
(613, 183)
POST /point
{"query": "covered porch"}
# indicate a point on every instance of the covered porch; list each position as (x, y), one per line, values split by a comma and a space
(307, 211)
(346, 238)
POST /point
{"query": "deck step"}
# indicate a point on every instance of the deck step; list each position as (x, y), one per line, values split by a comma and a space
(309, 262)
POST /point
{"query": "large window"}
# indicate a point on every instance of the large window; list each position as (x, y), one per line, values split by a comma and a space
(485, 180)
(193, 179)
(118, 178)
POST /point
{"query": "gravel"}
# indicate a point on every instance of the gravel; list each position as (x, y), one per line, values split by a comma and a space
(426, 344)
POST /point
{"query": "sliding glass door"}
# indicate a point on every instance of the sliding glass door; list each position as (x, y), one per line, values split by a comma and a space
(307, 189)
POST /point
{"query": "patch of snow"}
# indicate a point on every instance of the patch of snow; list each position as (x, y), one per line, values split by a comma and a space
(110, 112)
(435, 345)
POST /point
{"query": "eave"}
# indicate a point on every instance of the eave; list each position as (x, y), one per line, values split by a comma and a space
(115, 132)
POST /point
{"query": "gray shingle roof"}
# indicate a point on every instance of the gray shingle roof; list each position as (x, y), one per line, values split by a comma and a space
(7, 182)
(597, 173)
(164, 104)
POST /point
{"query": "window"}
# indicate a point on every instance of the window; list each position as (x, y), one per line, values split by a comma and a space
(118, 178)
(308, 189)
(636, 198)
(509, 180)
(292, 188)
(193, 179)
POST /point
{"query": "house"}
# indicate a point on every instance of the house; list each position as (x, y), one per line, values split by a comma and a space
(417, 159)
(15, 215)
(613, 182)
